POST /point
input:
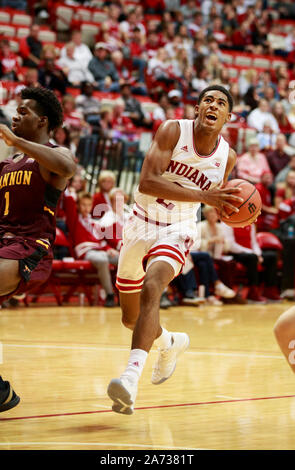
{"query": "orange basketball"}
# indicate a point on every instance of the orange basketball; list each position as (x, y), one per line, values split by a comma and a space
(249, 209)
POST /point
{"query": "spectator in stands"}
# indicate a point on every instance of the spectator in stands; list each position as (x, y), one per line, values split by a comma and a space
(201, 81)
(138, 86)
(190, 10)
(105, 129)
(76, 186)
(31, 78)
(52, 77)
(82, 52)
(175, 100)
(127, 27)
(286, 233)
(112, 25)
(285, 190)
(242, 38)
(214, 66)
(122, 125)
(277, 158)
(103, 70)
(119, 214)
(282, 175)
(240, 108)
(153, 7)
(180, 63)
(267, 138)
(152, 45)
(74, 120)
(208, 277)
(282, 120)
(247, 85)
(252, 164)
(61, 136)
(133, 108)
(75, 70)
(159, 113)
(9, 63)
(89, 242)
(260, 115)
(245, 250)
(30, 48)
(268, 219)
(106, 182)
(9, 109)
(87, 104)
(160, 67)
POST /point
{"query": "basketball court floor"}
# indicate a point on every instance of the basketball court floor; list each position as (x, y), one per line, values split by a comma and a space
(232, 389)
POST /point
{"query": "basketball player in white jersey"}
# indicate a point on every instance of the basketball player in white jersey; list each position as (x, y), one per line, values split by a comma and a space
(187, 164)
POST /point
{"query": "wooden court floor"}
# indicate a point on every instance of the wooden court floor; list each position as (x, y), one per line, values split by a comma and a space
(231, 390)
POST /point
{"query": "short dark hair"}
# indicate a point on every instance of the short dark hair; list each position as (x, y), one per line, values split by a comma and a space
(218, 88)
(47, 104)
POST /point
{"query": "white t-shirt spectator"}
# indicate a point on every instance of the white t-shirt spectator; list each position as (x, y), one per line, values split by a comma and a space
(258, 118)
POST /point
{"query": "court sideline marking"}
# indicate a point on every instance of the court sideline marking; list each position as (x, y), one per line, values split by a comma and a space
(177, 405)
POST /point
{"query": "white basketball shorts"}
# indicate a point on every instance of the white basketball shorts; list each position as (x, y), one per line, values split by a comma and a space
(143, 240)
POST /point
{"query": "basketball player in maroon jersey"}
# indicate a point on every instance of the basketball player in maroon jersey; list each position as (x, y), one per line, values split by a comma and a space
(186, 158)
(31, 183)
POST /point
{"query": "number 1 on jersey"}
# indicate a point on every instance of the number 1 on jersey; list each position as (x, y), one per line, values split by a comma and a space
(6, 195)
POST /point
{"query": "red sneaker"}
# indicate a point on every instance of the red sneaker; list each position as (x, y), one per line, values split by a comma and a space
(254, 295)
(271, 293)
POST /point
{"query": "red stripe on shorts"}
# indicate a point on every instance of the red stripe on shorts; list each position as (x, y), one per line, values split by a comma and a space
(128, 288)
(167, 247)
(129, 281)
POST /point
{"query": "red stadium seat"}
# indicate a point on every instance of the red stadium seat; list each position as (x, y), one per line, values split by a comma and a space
(268, 241)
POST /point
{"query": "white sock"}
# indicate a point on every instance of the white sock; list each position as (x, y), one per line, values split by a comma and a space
(164, 341)
(135, 364)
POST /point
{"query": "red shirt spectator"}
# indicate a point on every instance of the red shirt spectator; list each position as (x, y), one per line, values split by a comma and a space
(10, 62)
(268, 219)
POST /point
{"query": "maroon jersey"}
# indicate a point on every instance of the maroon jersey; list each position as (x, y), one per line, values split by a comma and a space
(27, 202)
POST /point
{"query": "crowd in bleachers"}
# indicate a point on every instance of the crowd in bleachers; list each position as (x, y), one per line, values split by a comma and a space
(121, 68)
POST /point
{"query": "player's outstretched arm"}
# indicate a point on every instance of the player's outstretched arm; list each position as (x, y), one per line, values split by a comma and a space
(57, 160)
(157, 161)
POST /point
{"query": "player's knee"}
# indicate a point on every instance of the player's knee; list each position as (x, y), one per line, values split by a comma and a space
(128, 322)
(285, 325)
(153, 287)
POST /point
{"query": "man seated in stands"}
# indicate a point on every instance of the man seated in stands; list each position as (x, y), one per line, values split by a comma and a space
(91, 241)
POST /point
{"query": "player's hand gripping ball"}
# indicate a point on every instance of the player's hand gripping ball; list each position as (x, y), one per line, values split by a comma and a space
(249, 209)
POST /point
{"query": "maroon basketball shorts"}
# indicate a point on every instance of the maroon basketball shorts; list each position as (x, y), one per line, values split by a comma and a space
(35, 262)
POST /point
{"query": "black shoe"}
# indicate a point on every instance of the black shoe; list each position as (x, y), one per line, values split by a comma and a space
(110, 301)
(8, 397)
(165, 302)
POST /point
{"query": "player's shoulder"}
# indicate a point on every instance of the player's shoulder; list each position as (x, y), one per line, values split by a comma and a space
(168, 132)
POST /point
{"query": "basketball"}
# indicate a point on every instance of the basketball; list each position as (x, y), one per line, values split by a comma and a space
(249, 209)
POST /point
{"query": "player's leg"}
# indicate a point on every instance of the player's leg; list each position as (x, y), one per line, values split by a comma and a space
(160, 272)
(284, 331)
(8, 397)
(10, 279)
(9, 275)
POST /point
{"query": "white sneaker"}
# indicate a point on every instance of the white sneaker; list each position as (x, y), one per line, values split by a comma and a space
(123, 393)
(223, 291)
(212, 300)
(166, 362)
(288, 294)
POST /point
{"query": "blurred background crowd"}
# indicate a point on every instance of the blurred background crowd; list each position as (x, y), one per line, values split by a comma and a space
(121, 68)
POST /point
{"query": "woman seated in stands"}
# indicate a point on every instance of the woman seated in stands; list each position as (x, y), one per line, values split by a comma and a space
(208, 277)
(243, 246)
(106, 182)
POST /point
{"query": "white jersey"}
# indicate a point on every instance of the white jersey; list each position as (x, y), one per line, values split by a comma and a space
(191, 171)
